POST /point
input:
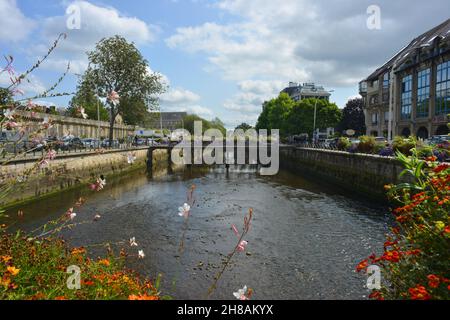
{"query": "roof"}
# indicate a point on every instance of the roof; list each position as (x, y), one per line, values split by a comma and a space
(425, 40)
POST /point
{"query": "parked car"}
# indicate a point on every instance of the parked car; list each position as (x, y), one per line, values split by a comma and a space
(72, 143)
(91, 143)
(434, 140)
(381, 140)
(114, 143)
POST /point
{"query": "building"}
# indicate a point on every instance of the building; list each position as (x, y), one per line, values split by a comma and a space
(168, 120)
(414, 85)
(83, 128)
(299, 92)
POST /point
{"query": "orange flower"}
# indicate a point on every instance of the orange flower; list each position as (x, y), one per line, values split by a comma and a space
(142, 297)
(104, 262)
(78, 251)
(61, 298)
(13, 270)
(447, 229)
(393, 256)
(6, 259)
(433, 281)
(362, 265)
(419, 293)
(432, 159)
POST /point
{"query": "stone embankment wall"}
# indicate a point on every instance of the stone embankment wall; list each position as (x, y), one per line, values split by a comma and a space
(358, 173)
(69, 171)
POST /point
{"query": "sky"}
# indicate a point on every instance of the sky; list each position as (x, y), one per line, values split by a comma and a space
(219, 58)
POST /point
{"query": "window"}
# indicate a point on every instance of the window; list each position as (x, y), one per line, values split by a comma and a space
(386, 81)
(423, 93)
(374, 118)
(443, 89)
(386, 116)
(406, 97)
(374, 99)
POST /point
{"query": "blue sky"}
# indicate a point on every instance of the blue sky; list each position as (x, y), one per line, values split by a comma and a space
(224, 57)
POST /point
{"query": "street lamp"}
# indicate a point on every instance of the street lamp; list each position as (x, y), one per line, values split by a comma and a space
(315, 111)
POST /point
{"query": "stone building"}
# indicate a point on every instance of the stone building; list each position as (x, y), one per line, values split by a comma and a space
(298, 92)
(82, 128)
(414, 85)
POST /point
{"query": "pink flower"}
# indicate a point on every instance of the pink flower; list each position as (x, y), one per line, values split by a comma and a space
(51, 154)
(241, 294)
(235, 230)
(241, 246)
(113, 98)
(70, 214)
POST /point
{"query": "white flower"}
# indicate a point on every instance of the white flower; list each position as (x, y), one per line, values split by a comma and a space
(101, 183)
(141, 254)
(71, 214)
(82, 112)
(184, 210)
(97, 217)
(241, 294)
(130, 158)
(8, 114)
(133, 242)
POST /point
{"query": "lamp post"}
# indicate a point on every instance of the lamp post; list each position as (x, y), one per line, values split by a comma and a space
(315, 111)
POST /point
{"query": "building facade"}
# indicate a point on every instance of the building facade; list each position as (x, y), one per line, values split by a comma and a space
(415, 85)
(298, 92)
(168, 120)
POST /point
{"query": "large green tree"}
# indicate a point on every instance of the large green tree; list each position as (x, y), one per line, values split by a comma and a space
(353, 117)
(292, 117)
(86, 97)
(117, 65)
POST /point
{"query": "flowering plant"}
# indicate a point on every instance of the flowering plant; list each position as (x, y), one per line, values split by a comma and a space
(416, 259)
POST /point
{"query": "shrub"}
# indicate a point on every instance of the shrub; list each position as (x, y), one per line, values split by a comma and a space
(366, 144)
(386, 152)
(343, 144)
(416, 259)
(404, 145)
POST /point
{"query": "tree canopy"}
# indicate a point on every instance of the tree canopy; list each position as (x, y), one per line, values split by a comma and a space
(213, 124)
(353, 117)
(85, 97)
(293, 118)
(116, 65)
(244, 126)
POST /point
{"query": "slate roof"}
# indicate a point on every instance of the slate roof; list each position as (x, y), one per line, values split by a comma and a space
(425, 40)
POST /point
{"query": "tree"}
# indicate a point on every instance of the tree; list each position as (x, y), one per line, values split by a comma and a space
(85, 97)
(216, 123)
(353, 117)
(275, 113)
(117, 66)
(244, 126)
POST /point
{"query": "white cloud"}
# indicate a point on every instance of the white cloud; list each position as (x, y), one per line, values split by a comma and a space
(97, 22)
(14, 26)
(303, 41)
(31, 86)
(178, 97)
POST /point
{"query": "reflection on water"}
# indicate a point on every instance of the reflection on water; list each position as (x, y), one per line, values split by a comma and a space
(305, 240)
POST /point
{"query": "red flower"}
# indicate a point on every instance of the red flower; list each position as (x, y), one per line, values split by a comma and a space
(362, 265)
(376, 295)
(441, 168)
(393, 256)
(419, 293)
(433, 281)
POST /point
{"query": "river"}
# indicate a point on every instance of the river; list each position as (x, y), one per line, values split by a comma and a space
(304, 243)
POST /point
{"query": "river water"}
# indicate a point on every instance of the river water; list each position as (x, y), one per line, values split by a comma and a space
(304, 243)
